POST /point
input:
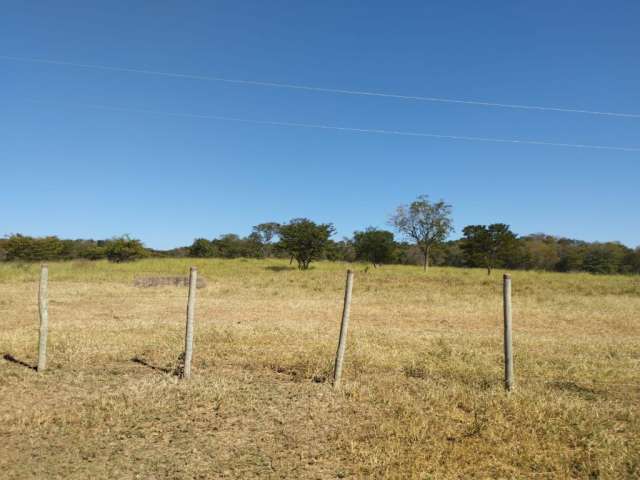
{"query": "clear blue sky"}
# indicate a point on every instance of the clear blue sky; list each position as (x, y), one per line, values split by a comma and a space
(81, 172)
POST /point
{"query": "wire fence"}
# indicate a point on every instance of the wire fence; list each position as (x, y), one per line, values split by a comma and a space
(527, 342)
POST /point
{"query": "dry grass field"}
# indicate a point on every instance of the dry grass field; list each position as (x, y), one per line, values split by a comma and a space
(422, 393)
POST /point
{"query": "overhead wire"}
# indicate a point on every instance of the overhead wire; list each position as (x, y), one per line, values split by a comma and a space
(378, 131)
(313, 88)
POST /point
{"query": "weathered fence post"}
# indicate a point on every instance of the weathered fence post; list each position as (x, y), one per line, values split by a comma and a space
(508, 350)
(43, 310)
(342, 342)
(188, 337)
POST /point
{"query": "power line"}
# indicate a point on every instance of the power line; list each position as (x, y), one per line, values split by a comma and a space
(324, 89)
(355, 129)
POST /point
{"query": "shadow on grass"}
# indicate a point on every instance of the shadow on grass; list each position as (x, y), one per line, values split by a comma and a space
(142, 361)
(574, 388)
(10, 358)
(279, 268)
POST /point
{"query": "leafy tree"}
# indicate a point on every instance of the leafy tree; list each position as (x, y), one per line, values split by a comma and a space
(93, 252)
(305, 240)
(375, 246)
(604, 258)
(407, 254)
(450, 254)
(267, 231)
(598, 260)
(3, 249)
(426, 223)
(340, 251)
(631, 262)
(489, 247)
(572, 253)
(124, 249)
(178, 252)
(30, 249)
(231, 245)
(541, 252)
(264, 234)
(202, 248)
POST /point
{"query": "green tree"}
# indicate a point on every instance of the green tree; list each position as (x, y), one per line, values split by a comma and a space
(3, 249)
(30, 249)
(489, 247)
(604, 258)
(305, 240)
(124, 249)
(253, 246)
(94, 252)
(542, 252)
(263, 236)
(452, 254)
(572, 253)
(631, 262)
(426, 223)
(340, 251)
(375, 246)
(201, 248)
(230, 245)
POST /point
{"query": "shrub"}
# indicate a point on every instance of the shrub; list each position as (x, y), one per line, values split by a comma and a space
(305, 240)
(202, 248)
(375, 246)
(30, 249)
(124, 249)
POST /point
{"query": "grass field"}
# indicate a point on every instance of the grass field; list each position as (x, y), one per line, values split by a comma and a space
(422, 393)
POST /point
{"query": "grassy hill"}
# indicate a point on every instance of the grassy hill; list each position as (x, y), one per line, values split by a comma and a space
(422, 393)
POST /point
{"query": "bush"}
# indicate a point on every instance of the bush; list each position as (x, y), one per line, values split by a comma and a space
(340, 251)
(124, 249)
(375, 246)
(201, 248)
(30, 249)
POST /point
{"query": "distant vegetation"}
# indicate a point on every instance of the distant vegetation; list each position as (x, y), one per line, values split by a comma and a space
(423, 227)
(31, 249)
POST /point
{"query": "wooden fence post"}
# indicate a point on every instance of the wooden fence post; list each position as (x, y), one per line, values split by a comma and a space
(188, 338)
(342, 342)
(508, 350)
(43, 310)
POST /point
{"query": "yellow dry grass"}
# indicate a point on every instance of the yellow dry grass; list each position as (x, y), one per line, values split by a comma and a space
(422, 393)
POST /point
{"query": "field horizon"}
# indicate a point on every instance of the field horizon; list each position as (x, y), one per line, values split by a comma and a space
(422, 394)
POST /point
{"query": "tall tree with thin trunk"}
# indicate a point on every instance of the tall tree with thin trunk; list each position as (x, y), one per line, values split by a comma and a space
(426, 223)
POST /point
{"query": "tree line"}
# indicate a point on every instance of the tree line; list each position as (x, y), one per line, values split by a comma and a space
(32, 249)
(423, 228)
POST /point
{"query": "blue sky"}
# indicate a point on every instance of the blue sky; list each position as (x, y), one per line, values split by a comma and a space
(82, 172)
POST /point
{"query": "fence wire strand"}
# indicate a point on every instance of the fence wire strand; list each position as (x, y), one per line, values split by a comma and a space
(524, 341)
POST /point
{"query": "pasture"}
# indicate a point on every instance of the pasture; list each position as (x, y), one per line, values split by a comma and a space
(421, 397)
